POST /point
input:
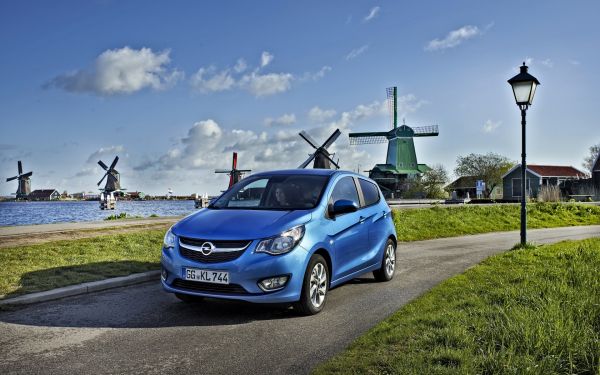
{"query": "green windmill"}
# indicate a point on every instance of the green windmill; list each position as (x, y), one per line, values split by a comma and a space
(401, 166)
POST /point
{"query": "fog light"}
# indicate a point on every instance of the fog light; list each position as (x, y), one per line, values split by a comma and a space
(273, 283)
(164, 274)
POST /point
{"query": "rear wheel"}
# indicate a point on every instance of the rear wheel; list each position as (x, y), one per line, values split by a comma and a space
(189, 298)
(314, 287)
(388, 264)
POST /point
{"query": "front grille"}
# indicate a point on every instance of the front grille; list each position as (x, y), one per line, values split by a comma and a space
(198, 286)
(214, 257)
(197, 256)
(220, 244)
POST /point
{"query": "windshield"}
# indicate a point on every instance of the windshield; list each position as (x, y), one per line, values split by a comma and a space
(276, 192)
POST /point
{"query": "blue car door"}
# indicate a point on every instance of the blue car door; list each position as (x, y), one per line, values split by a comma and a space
(348, 232)
(377, 213)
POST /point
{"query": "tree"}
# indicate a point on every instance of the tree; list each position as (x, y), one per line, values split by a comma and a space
(489, 168)
(433, 182)
(588, 162)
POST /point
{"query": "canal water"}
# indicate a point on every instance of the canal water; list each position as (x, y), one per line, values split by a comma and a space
(25, 213)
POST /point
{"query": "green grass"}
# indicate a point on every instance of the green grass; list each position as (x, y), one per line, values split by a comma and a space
(438, 222)
(524, 311)
(49, 265)
(27, 269)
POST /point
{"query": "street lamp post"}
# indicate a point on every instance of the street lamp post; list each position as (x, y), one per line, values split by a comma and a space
(523, 86)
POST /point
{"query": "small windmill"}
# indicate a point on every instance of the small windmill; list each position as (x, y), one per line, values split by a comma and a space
(24, 187)
(113, 182)
(401, 163)
(323, 159)
(235, 174)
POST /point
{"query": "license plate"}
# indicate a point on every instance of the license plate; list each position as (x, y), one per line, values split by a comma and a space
(206, 276)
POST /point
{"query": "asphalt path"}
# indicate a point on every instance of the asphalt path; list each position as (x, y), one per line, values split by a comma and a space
(141, 329)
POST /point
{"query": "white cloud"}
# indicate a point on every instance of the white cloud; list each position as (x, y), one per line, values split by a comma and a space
(220, 81)
(318, 115)
(265, 59)
(372, 14)
(208, 146)
(528, 61)
(257, 83)
(574, 62)
(266, 84)
(240, 66)
(321, 73)
(285, 119)
(548, 63)
(453, 38)
(357, 52)
(490, 126)
(104, 152)
(86, 171)
(121, 71)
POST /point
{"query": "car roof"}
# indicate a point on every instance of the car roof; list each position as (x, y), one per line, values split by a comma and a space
(309, 172)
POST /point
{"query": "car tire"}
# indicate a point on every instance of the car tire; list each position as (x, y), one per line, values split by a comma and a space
(388, 263)
(314, 287)
(189, 298)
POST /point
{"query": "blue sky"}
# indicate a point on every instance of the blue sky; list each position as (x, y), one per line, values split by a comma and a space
(174, 87)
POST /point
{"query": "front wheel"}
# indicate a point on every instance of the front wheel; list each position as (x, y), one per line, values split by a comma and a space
(314, 287)
(388, 264)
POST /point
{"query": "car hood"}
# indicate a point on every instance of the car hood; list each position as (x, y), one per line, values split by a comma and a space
(224, 224)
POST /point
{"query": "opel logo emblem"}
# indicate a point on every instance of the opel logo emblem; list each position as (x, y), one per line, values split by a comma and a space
(207, 248)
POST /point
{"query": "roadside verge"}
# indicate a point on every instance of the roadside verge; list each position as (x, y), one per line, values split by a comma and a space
(74, 290)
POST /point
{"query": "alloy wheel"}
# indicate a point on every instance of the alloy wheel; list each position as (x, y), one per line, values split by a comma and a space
(318, 284)
(390, 259)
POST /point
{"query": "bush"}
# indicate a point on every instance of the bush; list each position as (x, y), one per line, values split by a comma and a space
(549, 194)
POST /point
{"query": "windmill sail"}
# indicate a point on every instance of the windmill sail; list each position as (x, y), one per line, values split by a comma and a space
(401, 160)
(24, 187)
(321, 156)
(235, 175)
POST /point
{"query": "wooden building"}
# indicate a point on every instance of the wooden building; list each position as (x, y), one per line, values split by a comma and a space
(44, 195)
(463, 185)
(537, 176)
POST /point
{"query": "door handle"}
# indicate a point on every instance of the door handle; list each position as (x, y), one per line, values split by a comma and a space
(385, 213)
(362, 219)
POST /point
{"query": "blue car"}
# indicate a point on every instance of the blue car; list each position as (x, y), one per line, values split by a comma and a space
(282, 237)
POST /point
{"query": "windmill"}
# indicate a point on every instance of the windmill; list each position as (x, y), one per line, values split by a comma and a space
(24, 187)
(113, 184)
(234, 174)
(401, 164)
(323, 159)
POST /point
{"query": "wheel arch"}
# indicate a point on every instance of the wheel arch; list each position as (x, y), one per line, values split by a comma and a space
(325, 254)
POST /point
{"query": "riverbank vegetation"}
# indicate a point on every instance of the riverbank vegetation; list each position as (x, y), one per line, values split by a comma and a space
(443, 221)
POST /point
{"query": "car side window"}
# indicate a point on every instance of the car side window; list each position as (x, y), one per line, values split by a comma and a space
(370, 192)
(345, 189)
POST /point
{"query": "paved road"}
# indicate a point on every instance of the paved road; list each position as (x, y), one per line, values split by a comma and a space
(143, 330)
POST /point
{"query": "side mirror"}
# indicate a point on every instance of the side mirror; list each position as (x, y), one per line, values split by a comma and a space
(342, 206)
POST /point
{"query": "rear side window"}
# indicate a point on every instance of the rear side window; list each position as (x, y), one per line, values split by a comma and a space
(345, 189)
(370, 192)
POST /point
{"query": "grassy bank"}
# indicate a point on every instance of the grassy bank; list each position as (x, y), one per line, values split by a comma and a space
(438, 222)
(48, 265)
(27, 269)
(524, 311)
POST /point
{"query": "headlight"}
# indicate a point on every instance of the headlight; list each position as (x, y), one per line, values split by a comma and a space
(169, 241)
(283, 243)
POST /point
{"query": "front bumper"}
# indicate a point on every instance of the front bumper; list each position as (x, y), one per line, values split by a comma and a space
(244, 274)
